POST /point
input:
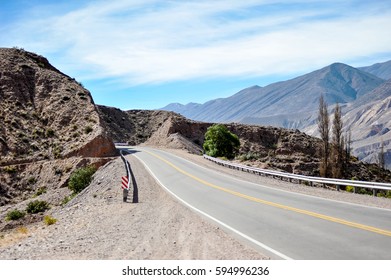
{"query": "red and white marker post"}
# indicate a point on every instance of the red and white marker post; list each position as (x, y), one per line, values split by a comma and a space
(125, 182)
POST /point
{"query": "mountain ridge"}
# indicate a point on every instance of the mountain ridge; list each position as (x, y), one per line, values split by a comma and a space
(267, 101)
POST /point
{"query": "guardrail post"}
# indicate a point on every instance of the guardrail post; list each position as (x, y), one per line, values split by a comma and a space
(125, 190)
(374, 192)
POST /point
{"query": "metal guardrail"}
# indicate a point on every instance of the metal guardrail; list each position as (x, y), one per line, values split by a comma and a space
(131, 181)
(120, 144)
(375, 186)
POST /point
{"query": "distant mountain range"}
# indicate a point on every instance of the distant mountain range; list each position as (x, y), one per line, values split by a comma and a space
(381, 70)
(364, 94)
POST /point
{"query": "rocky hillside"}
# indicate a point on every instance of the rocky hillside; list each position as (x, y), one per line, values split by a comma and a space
(262, 146)
(157, 128)
(48, 126)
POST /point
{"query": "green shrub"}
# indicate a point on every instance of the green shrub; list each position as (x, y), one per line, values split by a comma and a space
(37, 206)
(220, 142)
(364, 191)
(386, 194)
(57, 152)
(249, 156)
(81, 178)
(67, 199)
(31, 180)
(49, 220)
(40, 191)
(14, 215)
(349, 189)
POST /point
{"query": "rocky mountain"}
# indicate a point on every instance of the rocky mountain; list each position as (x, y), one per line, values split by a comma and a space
(49, 125)
(369, 120)
(294, 103)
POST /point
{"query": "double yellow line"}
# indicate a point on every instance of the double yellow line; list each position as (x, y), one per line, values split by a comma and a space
(277, 205)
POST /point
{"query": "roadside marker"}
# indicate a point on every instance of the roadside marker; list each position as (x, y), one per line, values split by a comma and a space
(125, 182)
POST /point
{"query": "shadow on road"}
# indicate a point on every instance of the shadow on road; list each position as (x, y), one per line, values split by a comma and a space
(127, 151)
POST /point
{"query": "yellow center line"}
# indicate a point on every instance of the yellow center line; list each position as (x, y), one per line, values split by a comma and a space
(277, 205)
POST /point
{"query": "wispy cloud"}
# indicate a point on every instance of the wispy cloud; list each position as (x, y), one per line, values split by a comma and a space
(159, 41)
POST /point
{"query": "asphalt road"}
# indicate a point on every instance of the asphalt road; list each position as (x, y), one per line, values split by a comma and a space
(281, 224)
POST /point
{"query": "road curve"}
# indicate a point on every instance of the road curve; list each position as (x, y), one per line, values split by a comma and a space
(283, 225)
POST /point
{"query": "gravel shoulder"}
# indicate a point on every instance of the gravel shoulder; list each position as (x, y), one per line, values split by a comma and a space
(98, 225)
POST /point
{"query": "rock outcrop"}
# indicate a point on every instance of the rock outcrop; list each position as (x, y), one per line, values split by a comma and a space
(46, 119)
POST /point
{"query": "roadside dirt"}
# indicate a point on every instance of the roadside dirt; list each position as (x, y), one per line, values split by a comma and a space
(98, 225)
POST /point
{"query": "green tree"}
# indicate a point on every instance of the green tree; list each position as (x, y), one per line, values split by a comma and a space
(220, 142)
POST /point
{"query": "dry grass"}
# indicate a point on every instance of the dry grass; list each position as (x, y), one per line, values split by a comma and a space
(14, 236)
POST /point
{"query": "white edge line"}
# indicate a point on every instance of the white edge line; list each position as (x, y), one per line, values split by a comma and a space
(281, 255)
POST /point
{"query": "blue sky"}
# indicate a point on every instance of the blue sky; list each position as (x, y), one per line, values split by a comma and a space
(145, 54)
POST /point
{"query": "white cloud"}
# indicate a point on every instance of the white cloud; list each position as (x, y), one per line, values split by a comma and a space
(157, 41)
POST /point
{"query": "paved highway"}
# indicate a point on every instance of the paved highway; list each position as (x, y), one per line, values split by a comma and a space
(281, 224)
